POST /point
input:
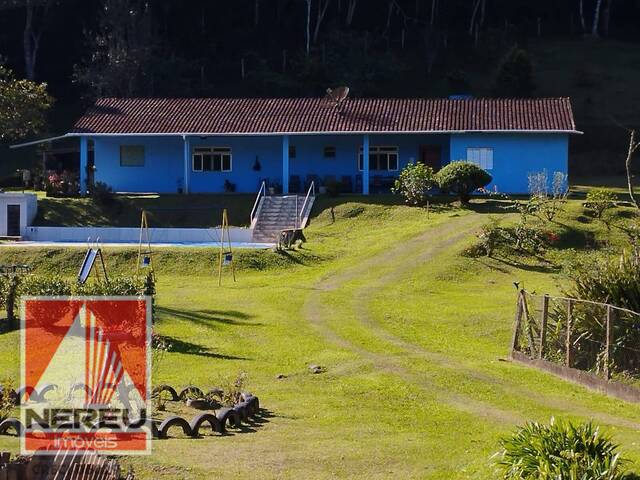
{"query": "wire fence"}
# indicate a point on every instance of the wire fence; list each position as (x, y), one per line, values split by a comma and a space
(595, 337)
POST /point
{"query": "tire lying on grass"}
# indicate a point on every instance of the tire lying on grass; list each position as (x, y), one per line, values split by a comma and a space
(174, 421)
(160, 389)
(191, 389)
(242, 411)
(203, 418)
(11, 424)
(228, 417)
(253, 403)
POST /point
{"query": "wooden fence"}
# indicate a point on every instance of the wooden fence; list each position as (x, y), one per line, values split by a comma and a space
(595, 344)
(65, 465)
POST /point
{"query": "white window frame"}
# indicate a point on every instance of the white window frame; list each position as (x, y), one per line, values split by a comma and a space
(481, 156)
(222, 151)
(144, 156)
(378, 149)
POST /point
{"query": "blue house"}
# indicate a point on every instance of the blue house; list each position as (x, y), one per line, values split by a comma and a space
(204, 145)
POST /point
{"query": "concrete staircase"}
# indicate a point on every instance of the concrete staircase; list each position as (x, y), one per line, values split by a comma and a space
(277, 213)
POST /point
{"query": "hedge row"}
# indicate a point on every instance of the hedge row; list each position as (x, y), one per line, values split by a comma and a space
(12, 288)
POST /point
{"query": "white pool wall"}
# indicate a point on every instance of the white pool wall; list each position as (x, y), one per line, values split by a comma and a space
(132, 235)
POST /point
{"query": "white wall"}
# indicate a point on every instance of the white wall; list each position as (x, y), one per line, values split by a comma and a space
(28, 209)
(132, 235)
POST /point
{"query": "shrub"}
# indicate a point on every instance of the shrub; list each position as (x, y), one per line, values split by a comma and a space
(491, 236)
(7, 400)
(462, 178)
(116, 286)
(547, 204)
(599, 200)
(604, 280)
(102, 194)
(36, 285)
(414, 182)
(65, 184)
(560, 450)
(232, 388)
(615, 281)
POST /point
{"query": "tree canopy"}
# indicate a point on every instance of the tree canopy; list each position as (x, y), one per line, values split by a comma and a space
(23, 106)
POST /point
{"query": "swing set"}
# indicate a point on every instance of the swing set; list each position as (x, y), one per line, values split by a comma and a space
(145, 252)
(226, 253)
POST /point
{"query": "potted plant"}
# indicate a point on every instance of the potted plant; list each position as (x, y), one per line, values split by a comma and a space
(229, 187)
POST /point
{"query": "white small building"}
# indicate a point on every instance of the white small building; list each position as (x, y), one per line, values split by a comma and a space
(17, 212)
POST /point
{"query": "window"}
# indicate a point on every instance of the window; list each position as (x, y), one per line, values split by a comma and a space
(482, 157)
(380, 158)
(131, 156)
(329, 152)
(292, 151)
(211, 159)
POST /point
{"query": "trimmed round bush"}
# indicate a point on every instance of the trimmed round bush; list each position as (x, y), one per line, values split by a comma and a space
(559, 450)
(462, 178)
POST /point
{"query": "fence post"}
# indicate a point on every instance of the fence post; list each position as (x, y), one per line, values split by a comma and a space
(532, 343)
(569, 341)
(609, 342)
(543, 325)
(517, 323)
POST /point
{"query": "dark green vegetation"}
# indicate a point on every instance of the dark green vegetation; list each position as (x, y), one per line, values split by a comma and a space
(379, 48)
(461, 179)
(23, 105)
(560, 450)
(411, 335)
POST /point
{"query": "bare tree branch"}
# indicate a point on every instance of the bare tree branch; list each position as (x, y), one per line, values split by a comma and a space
(351, 10)
(323, 5)
(633, 146)
(596, 18)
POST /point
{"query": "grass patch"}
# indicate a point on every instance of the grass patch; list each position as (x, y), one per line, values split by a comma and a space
(411, 333)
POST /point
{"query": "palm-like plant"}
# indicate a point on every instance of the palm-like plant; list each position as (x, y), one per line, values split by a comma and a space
(560, 450)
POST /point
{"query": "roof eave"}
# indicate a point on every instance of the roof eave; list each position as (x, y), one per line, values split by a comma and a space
(42, 140)
(274, 134)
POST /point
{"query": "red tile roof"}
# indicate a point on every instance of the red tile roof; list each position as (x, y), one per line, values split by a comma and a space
(305, 115)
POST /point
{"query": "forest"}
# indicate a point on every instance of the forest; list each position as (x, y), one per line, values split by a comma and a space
(84, 49)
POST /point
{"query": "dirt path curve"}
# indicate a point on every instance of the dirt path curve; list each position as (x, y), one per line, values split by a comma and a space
(400, 260)
(396, 263)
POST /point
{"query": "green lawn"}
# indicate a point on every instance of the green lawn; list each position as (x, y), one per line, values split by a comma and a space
(413, 336)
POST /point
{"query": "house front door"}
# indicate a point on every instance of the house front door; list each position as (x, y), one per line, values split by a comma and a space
(13, 220)
(430, 155)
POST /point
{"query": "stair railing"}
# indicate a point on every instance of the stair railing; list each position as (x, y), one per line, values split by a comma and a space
(254, 211)
(311, 193)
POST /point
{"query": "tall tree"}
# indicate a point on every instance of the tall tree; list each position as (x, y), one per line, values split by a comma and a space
(596, 18)
(351, 10)
(323, 5)
(606, 17)
(122, 60)
(308, 27)
(583, 24)
(36, 15)
(23, 105)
